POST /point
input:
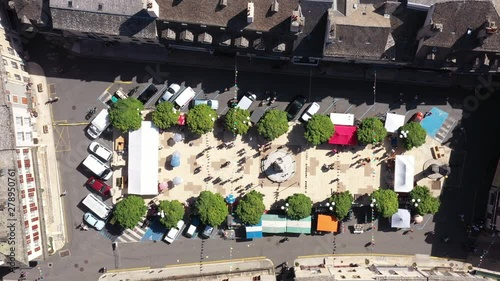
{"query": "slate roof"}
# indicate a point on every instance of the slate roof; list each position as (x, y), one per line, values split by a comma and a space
(310, 42)
(139, 26)
(233, 16)
(29, 9)
(472, 14)
(118, 7)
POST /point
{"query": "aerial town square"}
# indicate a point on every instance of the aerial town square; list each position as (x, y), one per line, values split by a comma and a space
(250, 140)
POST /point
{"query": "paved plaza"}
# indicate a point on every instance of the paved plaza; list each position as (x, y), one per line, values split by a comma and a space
(223, 163)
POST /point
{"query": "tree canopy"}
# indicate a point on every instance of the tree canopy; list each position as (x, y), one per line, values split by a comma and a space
(386, 202)
(174, 212)
(129, 211)
(371, 130)
(125, 115)
(299, 206)
(273, 124)
(165, 115)
(427, 204)
(237, 120)
(319, 129)
(343, 203)
(251, 207)
(201, 119)
(415, 137)
(211, 208)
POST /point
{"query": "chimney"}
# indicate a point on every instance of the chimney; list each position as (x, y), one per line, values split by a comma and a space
(436, 27)
(298, 21)
(152, 8)
(275, 6)
(250, 13)
(491, 27)
(223, 3)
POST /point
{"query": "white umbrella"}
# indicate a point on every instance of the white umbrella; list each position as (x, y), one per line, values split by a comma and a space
(177, 180)
(418, 218)
(178, 137)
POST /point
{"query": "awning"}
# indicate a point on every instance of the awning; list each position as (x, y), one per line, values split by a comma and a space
(254, 231)
(401, 219)
(327, 223)
(403, 173)
(299, 226)
(344, 135)
(342, 119)
(273, 223)
(393, 122)
(143, 160)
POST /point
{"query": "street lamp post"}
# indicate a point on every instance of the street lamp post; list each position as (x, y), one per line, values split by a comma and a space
(373, 205)
(330, 205)
(415, 202)
(285, 207)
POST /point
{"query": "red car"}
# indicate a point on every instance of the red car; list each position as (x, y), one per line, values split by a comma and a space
(417, 117)
(99, 186)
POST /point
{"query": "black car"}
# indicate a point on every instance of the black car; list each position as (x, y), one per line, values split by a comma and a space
(294, 107)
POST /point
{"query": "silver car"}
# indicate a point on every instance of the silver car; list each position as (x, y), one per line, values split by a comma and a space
(214, 104)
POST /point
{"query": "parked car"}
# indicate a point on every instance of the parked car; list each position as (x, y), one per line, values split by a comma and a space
(417, 117)
(214, 104)
(174, 232)
(207, 232)
(93, 221)
(99, 186)
(169, 92)
(246, 101)
(310, 111)
(195, 222)
(294, 107)
(100, 151)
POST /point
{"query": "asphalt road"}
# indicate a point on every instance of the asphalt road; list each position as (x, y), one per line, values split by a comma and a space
(83, 80)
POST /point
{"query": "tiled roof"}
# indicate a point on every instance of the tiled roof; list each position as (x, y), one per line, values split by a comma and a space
(139, 26)
(233, 16)
(471, 14)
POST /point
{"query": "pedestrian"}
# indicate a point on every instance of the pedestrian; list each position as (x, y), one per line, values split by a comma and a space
(287, 239)
(64, 193)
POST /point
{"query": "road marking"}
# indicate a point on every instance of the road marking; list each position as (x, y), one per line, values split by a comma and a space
(334, 102)
(123, 82)
(339, 255)
(366, 111)
(70, 124)
(215, 262)
(201, 91)
(426, 221)
(128, 269)
(349, 108)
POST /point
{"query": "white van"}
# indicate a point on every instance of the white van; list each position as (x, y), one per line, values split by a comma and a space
(99, 124)
(184, 97)
(246, 101)
(96, 206)
(97, 167)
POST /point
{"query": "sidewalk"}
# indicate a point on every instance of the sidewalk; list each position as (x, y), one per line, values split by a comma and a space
(51, 210)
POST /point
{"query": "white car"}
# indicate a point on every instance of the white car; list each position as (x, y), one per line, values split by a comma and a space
(94, 221)
(310, 111)
(170, 92)
(174, 232)
(100, 151)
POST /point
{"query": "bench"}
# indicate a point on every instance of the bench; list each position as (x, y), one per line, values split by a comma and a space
(437, 152)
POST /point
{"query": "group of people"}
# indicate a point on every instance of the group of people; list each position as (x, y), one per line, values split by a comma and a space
(83, 227)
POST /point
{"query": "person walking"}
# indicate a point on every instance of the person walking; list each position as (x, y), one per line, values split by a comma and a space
(64, 193)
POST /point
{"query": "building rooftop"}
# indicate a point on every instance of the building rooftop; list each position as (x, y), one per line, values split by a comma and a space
(454, 34)
(141, 25)
(29, 10)
(116, 7)
(310, 42)
(233, 16)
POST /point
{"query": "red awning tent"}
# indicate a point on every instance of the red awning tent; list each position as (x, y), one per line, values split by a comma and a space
(344, 135)
(181, 120)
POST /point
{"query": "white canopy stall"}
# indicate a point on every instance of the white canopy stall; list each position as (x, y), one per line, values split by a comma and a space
(393, 122)
(403, 173)
(342, 119)
(143, 160)
(401, 219)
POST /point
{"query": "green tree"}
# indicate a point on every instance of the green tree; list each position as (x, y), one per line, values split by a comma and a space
(343, 203)
(165, 115)
(299, 206)
(251, 207)
(174, 212)
(201, 119)
(415, 137)
(129, 211)
(125, 115)
(426, 203)
(237, 120)
(319, 129)
(371, 130)
(386, 202)
(211, 208)
(273, 124)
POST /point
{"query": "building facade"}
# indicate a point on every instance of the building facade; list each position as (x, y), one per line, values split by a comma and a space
(492, 221)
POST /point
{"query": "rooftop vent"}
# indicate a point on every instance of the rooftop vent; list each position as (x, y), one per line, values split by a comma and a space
(99, 7)
(275, 6)
(70, 4)
(437, 27)
(250, 13)
(491, 27)
(223, 3)
(298, 20)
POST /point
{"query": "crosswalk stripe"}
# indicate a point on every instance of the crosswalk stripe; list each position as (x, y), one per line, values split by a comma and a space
(126, 237)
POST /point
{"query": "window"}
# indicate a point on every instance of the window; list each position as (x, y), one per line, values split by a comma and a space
(18, 77)
(24, 100)
(20, 136)
(23, 68)
(70, 4)
(11, 51)
(15, 99)
(1, 48)
(4, 62)
(99, 7)
(8, 74)
(27, 121)
(19, 121)
(14, 64)
(26, 79)
(256, 278)
(28, 136)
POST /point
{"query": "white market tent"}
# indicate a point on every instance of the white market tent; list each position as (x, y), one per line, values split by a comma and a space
(342, 119)
(401, 219)
(143, 160)
(393, 122)
(403, 173)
